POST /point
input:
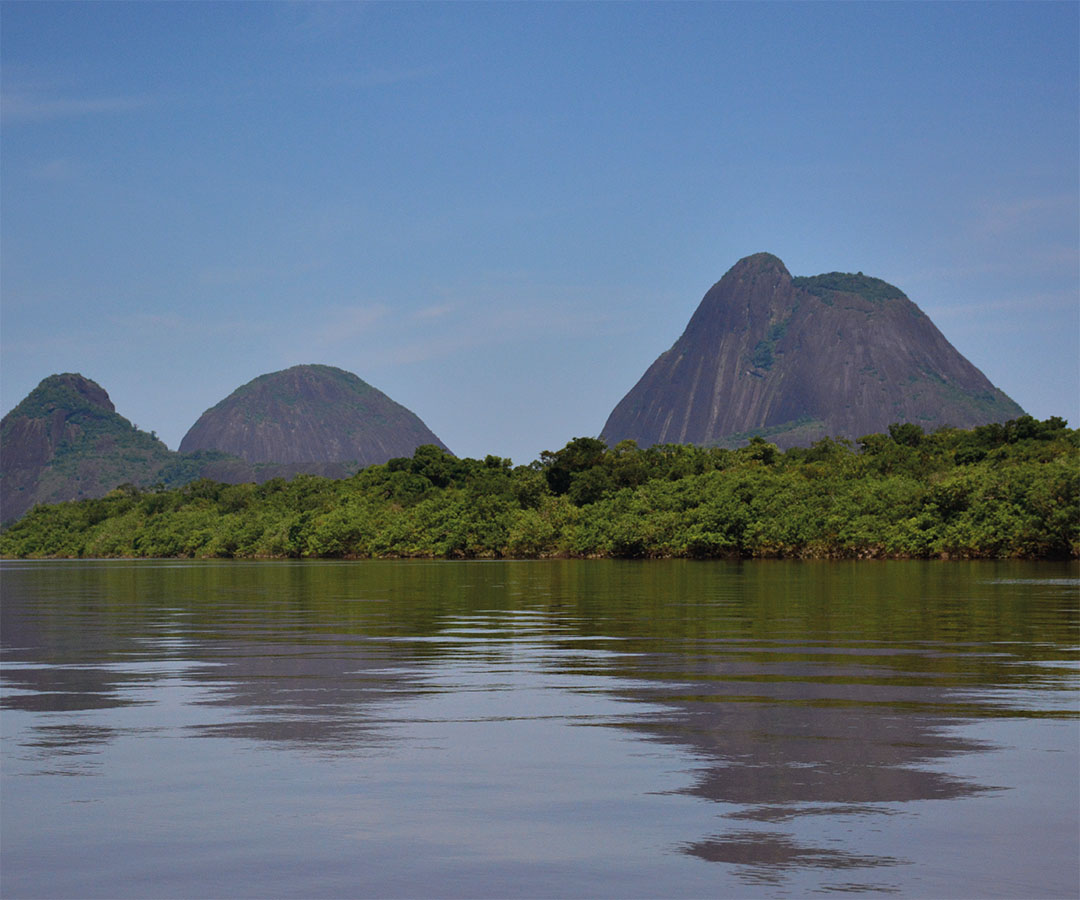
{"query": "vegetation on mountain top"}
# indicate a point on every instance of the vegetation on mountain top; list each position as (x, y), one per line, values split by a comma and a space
(869, 288)
(66, 440)
(1008, 490)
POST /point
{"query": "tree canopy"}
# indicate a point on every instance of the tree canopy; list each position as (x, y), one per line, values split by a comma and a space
(1010, 490)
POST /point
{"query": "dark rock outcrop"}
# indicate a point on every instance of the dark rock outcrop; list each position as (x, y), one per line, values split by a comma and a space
(309, 415)
(798, 359)
(66, 441)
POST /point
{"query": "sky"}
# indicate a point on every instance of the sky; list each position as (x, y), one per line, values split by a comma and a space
(501, 214)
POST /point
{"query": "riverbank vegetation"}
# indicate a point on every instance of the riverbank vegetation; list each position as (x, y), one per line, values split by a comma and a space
(995, 491)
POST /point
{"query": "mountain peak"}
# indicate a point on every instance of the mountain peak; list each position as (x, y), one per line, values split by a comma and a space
(309, 414)
(69, 391)
(798, 359)
(759, 263)
(65, 440)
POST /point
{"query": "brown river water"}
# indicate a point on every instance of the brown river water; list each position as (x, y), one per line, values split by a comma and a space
(539, 729)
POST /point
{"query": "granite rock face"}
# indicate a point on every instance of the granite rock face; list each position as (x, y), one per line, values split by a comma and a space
(799, 359)
(309, 414)
(65, 441)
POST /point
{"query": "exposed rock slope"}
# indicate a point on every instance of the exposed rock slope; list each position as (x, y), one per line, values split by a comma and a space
(65, 440)
(309, 414)
(798, 359)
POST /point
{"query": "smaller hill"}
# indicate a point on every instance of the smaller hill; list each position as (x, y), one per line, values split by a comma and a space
(65, 441)
(309, 414)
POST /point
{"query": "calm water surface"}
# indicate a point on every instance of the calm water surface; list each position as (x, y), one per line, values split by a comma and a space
(559, 729)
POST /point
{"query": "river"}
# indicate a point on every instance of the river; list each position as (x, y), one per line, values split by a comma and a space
(539, 729)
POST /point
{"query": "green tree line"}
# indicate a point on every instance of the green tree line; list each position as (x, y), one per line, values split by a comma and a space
(995, 491)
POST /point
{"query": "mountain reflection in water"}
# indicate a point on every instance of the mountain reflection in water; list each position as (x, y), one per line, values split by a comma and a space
(799, 710)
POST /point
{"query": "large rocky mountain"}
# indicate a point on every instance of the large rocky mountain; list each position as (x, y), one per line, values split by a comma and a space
(309, 414)
(798, 359)
(65, 441)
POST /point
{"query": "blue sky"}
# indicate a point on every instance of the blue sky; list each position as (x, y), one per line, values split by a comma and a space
(501, 214)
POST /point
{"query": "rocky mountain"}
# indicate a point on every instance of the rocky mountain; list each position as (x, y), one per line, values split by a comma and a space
(65, 441)
(798, 359)
(309, 414)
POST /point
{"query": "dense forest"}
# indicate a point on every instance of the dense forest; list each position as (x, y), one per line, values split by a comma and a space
(994, 491)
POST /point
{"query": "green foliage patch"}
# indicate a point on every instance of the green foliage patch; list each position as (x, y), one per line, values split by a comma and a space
(1009, 490)
(764, 353)
(825, 286)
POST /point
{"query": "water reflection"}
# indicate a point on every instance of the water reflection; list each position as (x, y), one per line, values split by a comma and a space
(325, 693)
(762, 857)
(806, 709)
(842, 742)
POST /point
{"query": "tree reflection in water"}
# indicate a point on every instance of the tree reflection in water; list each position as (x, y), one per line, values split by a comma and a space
(811, 700)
